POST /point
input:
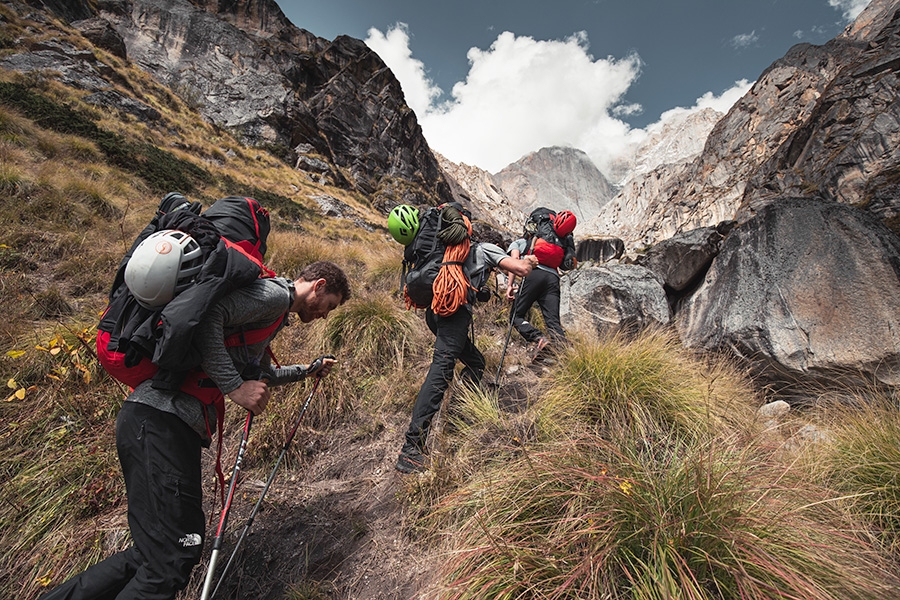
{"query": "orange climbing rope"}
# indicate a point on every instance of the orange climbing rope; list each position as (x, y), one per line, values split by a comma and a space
(451, 286)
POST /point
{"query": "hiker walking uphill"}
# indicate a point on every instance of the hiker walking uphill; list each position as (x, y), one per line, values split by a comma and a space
(160, 432)
(548, 236)
(446, 272)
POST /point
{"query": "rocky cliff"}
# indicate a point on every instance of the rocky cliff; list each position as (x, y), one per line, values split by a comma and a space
(822, 120)
(333, 107)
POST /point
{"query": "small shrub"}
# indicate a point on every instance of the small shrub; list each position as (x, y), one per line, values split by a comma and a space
(375, 333)
(89, 193)
(51, 304)
(11, 180)
(288, 253)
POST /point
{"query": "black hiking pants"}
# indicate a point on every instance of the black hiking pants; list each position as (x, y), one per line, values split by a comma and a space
(160, 457)
(451, 343)
(542, 287)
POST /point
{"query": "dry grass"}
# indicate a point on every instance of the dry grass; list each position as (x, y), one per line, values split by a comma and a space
(859, 456)
(648, 387)
(588, 519)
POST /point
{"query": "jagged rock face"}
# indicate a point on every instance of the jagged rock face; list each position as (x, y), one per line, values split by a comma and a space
(681, 138)
(822, 121)
(849, 150)
(806, 289)
(476, 190)
(626, 216)
(650, 172)
(71, 10)
(682, 259)
(558, 178)
(246, 68)
(599, 249)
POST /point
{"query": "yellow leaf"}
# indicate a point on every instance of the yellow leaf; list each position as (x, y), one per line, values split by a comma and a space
(44, 581)
(11, 384)
(16, 353)
(87, 376)
(20, 393)
(41, 348)
(55, 350)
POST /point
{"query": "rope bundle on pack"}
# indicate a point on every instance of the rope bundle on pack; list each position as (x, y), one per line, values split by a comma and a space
(451, 286)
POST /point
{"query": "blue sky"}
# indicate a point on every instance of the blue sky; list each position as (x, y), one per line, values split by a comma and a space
(491, 80)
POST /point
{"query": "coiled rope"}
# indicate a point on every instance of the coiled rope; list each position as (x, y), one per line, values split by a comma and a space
(451, 286)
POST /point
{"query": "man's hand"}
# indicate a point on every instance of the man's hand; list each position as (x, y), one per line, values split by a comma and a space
(529, 262)
(253, 395)
(511, 290)
(320, 367)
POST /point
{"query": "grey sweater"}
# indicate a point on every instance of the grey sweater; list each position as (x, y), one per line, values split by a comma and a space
(255, 306)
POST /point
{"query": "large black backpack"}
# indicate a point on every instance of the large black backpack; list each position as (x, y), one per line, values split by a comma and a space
(424, 256)
(138, 343)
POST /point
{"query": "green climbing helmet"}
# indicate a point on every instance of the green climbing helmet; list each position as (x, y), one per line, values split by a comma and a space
(403, 223)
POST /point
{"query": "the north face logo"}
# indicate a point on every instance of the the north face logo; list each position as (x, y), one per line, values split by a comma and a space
(191, 539)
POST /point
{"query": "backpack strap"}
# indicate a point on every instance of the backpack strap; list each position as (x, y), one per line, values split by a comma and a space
(254, 206)
(253, 336)
(251, 252)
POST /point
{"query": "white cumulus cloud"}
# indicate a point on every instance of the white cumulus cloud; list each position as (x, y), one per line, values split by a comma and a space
(850, 9)
(745, 39)
(393, 48)
(523, 94)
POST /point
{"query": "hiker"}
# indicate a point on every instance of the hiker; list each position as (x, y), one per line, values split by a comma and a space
(160, 433)
(548, 236)
(452, 341)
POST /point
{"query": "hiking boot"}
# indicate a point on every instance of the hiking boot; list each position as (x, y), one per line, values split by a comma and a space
(411, 462)
(539, 349)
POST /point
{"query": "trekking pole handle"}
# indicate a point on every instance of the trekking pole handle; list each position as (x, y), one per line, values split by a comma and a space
(315, 365)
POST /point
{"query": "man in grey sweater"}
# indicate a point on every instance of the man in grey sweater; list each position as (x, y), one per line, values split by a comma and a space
(160, 433)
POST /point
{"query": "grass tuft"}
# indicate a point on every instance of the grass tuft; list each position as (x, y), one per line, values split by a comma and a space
(860, 458)
(588, 519)
(648, 386)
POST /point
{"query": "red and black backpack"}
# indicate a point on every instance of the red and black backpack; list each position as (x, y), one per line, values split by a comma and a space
(550, 239)
(135, 343)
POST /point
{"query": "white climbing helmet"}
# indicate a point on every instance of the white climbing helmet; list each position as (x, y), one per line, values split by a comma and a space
(162, 265)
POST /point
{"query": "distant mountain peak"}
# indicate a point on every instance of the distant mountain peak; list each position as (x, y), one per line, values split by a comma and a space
(558, 177)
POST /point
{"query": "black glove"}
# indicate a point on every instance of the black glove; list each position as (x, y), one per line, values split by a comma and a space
(315, 365)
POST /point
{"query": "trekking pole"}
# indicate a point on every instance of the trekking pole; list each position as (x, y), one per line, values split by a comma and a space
(512, 315)
(252, 516)
(223, 520)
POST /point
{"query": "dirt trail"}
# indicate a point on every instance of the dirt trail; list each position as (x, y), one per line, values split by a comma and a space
(337, 527)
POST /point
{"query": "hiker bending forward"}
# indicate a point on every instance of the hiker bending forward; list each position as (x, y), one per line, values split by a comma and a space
(160, 434)
(452, 343)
